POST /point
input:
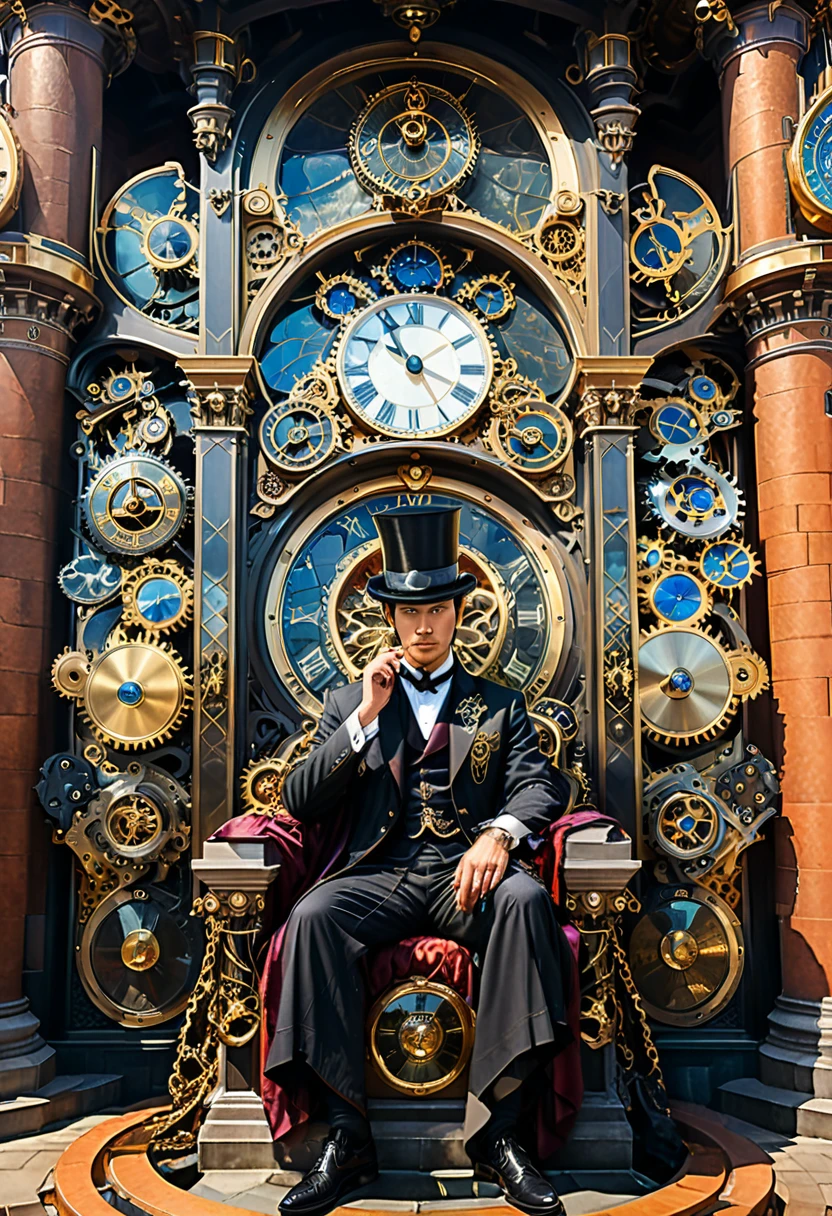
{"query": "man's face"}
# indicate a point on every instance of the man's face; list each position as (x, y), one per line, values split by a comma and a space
(425, 632)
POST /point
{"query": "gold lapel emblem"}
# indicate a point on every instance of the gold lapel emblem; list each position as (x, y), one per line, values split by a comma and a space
(481, 752)
(471, 710)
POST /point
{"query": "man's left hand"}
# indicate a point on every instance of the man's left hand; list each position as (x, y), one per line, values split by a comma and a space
(479, 871)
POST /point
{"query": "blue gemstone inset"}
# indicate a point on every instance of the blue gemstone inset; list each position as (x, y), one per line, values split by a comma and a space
(415, 266)
(130, 693)
(681, 680)
(414, 364)
(341, 301)
(703, 388)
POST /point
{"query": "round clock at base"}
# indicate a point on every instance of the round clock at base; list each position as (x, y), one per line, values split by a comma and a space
(414, 365)
(420, 1036)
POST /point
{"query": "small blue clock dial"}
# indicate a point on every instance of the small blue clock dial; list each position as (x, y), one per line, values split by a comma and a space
(415, 266)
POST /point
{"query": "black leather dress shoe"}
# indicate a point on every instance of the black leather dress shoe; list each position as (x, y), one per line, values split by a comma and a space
(342, 1167)
(504, 1161)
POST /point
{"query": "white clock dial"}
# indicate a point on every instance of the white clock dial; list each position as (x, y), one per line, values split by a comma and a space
(414, 365)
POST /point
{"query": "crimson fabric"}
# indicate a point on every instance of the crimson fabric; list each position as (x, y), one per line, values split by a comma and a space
(306, 856)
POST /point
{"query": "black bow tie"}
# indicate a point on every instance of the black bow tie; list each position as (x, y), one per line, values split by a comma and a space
(424, 681)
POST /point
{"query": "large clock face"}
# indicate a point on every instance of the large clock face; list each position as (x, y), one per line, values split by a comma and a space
(322, 627)
(414, 365)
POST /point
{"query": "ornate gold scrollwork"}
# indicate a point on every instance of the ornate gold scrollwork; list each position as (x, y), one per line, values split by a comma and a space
(224, 1008)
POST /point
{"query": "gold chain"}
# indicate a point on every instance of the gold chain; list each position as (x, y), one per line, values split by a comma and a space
(633, 993)
(195, 1069)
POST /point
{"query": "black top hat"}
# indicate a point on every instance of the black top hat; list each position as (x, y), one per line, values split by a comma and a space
(421, 557)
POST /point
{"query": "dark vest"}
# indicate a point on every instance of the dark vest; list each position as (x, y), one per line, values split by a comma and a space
(428, 816)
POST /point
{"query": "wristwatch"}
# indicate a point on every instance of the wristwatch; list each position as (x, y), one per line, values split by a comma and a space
(505, 838)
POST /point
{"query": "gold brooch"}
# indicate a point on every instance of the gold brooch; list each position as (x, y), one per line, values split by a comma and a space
(481, 751)
(471, 710)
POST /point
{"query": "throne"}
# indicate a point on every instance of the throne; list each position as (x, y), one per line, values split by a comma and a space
(420, 1024)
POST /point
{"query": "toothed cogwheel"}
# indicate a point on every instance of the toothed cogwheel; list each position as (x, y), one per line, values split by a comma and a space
(728, 564)
(70, 672)
(260, 786)
(492, 295)
(341, 294)
(157, 596)
(749, 672)
(686, 685)
(700, 503)
(136, 503)
(136, 694)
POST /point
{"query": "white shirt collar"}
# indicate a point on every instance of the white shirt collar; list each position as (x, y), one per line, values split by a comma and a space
(440, 671)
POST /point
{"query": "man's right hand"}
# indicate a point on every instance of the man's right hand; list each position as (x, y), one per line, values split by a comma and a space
(378, 682)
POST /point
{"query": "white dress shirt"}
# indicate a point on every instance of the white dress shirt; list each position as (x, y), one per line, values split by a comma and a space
(426, 707)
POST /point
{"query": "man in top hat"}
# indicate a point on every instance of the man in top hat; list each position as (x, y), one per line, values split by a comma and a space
(443, 778)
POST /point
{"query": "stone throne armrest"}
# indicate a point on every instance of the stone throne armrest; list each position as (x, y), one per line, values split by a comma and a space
(595, 864)
(246, 865)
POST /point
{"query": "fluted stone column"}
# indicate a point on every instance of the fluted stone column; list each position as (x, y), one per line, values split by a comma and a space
(777, 288)
(59, 63)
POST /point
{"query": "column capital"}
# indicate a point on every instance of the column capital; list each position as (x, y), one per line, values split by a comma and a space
(105, 32)
(611, 81)
(219, 65)
(609, 388)
(224, 387)
(754, 27)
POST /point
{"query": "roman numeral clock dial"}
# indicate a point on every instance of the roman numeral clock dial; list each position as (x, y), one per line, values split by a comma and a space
(414, 365)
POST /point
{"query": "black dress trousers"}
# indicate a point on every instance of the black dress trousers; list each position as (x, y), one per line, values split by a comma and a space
(524, 962)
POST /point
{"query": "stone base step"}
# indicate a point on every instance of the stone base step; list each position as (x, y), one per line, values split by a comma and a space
(409, 1136)
(61, 1099)
(787, 1111)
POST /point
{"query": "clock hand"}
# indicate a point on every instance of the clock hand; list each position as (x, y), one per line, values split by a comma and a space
(434, 399)
(394, 334)
(436, 376)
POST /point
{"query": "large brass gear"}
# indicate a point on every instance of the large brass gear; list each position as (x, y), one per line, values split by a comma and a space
(136, 694)
(686, 685)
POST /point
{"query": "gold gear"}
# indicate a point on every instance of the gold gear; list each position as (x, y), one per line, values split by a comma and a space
(749, 673)
(537, 457)
(260, 785)
(561, 240)
(70, 672)
(383, 274)
(697, 436)
(734, 549)
(650, 578)
(468, 293)
(167, 572)
(363, 293)
(136, 694)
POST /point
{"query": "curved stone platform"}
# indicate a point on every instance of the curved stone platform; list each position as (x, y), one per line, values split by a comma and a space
(108, 1168)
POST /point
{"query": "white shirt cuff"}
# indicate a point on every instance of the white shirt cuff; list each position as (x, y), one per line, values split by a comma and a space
(360, 735)
(516, 829)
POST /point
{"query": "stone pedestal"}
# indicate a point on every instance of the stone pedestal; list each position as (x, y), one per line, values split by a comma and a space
(235, 1131)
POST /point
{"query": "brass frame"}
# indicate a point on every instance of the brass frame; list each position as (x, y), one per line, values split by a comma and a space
(391, 484)
(814, 211)
(467, 1017)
